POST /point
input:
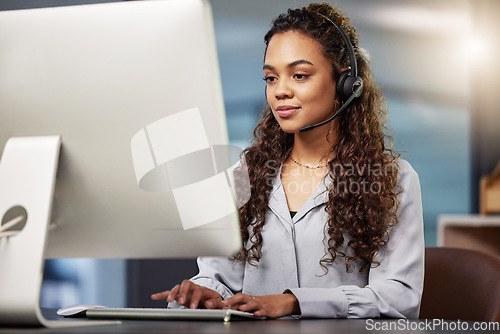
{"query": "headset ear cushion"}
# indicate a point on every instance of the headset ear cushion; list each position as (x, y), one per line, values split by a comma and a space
(348, 85)
(342, 91)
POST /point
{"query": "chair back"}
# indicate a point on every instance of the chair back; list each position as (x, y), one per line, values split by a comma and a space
(460, 284)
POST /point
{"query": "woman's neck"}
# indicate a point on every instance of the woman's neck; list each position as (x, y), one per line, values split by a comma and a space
(314, 147)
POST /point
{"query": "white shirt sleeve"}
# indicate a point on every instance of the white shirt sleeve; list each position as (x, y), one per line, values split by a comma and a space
(220, 274)
(395, 287)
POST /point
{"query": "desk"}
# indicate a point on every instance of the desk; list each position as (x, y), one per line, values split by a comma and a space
(285, 326)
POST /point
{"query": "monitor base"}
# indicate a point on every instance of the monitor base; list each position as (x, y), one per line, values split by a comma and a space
(27, 178)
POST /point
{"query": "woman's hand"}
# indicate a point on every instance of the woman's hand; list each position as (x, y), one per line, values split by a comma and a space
(191, 295)
(270, 306)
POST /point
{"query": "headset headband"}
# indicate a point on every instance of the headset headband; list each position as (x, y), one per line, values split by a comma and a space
(350, 49)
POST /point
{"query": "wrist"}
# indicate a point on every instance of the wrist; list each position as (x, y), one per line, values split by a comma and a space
(292, 302)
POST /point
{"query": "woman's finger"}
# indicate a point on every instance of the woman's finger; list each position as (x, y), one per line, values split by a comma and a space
(195, 298)
(173, 294)
(213, 303)
(250, 305)
(160, 295)
(184, 291)
(239, 299)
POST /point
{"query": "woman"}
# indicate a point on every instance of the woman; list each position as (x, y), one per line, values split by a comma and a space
(333, 228)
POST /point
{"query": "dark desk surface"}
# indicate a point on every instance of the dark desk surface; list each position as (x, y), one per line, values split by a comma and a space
(284, 326)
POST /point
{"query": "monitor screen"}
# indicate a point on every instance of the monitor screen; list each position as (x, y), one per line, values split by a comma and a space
(134, 91)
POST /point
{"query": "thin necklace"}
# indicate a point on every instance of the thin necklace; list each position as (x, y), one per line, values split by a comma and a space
(310, 167)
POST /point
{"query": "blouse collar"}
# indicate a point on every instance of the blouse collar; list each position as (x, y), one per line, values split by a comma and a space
(278, 203)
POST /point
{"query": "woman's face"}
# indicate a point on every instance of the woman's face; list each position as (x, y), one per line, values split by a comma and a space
(299, 84)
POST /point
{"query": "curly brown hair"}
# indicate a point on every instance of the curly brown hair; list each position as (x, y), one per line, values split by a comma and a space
(362, 154)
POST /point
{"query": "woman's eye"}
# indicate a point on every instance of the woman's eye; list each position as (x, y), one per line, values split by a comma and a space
(269, 79)
(301, 76)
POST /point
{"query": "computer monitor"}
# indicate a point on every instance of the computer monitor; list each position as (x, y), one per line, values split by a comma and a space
(132, 90)
(129, 87)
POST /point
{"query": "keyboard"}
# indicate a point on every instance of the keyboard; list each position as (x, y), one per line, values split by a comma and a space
(167, 314)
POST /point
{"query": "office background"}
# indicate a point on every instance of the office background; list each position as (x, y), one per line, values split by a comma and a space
(435, 62)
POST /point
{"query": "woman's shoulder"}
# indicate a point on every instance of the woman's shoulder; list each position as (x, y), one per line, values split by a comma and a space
(407, 176)
(405, 168)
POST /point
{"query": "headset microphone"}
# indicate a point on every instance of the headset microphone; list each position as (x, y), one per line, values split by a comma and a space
(349, 85)
(346, 103)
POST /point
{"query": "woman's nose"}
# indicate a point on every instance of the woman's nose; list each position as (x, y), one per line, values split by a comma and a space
(283, 90)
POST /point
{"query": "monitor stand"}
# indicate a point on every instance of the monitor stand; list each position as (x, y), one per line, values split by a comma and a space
(27, 179)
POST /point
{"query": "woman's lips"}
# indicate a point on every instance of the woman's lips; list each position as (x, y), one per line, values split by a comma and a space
(286, 111)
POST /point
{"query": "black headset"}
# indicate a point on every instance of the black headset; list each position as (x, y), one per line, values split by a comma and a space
(349, 86)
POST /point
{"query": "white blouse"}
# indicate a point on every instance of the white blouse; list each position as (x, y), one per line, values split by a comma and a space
(293, 248)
